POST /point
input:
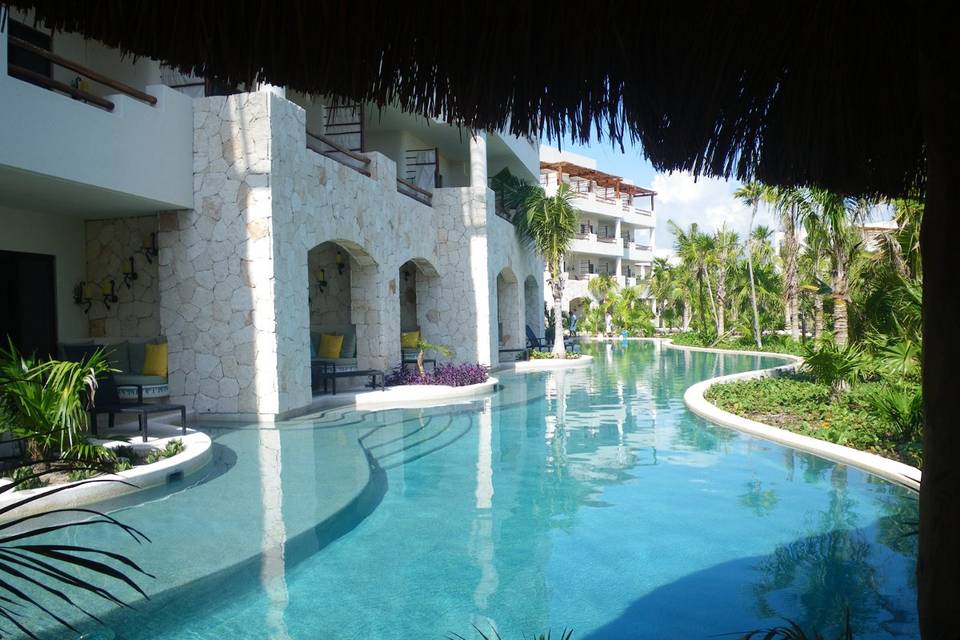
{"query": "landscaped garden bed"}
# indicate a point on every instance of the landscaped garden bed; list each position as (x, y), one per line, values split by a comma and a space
(450, 375)
(772, 343)
(798, 403)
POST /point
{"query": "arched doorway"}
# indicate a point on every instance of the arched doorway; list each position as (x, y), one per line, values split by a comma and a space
(415, 279)
(339, 275)
(533, 305)
(510, 331)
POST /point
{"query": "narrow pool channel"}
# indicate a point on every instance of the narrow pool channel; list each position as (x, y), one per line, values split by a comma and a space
(588, 499)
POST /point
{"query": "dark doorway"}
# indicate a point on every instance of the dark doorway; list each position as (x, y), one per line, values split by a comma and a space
(28, 306)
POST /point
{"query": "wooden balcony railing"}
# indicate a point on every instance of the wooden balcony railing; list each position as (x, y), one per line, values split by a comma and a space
(74, 92)
(358, 162)
(411, 190)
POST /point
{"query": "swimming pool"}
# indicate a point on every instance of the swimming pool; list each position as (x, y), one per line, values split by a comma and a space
(588, 498)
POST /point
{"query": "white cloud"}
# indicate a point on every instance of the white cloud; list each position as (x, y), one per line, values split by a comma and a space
(707, 201)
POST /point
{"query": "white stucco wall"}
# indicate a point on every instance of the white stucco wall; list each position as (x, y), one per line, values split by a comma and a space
(136, 149)
(61, 237)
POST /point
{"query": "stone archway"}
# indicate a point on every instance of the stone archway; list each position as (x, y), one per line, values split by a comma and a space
(343, 302)
(510, 330)
(416, 279)
(533, 305)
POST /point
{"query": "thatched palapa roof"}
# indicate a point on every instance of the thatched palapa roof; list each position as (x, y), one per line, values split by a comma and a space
(785, 92)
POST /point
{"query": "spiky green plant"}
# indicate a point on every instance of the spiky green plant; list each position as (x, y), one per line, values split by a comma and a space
(566, 634)
(836, 366)
(46, 403)
(424, 346)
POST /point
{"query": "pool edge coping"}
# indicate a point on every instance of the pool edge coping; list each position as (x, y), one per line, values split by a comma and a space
(891, 470)
(197, 454)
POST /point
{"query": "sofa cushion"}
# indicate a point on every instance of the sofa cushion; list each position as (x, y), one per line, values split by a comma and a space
(79, 352)
(131, 378)
(155, 360)
(409, 339)
(119, 356)
(349, 348)
(137, 353)
(330, 346)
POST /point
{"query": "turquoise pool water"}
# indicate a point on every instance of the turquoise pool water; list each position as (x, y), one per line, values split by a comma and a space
(589, 499)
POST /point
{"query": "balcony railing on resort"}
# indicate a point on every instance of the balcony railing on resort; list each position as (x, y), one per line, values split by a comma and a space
(330, 148)
(609, 239)
(47, 82)
(411, 190)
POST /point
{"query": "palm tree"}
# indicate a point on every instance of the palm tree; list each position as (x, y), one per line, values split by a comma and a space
(602, 286)
(725, 251)
(661, 280)
(549, 225)
(789, 204)
(829, 220)
(693, 248)
(751, 194)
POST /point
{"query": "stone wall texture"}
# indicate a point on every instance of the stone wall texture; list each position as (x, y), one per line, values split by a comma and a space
(235, 274)
(110, 243)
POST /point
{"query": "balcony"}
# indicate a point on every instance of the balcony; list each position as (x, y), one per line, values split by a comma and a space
(590, 244)
(72, 146)
(638, 252)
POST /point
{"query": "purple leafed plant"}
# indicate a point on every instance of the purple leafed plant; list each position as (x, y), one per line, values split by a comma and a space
(453, 375)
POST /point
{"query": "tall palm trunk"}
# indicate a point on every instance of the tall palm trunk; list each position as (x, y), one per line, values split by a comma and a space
(556, 287)
(703, 304)
(840, 321)
(721, 303)
(753, 288)
(791, 304)
(713, 304)
(817, 315)
(687, 315)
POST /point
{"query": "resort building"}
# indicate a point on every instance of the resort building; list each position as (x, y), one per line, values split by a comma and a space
(239, 226)
(617, 225)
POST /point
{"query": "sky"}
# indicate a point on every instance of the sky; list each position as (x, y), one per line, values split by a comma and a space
(707, 201)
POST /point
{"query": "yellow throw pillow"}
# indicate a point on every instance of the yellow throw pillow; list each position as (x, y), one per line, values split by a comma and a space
(155, 359)
(330, 346)
(409, 339)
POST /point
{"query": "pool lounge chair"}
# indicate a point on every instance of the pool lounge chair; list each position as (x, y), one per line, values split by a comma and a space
(541, 344)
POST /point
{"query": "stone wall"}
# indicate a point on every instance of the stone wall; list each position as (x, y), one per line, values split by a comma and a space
(216, 272)
(316, 199)
(110, 243)
(236, 274)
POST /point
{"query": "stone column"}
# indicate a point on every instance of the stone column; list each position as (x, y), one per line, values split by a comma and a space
(378, 330)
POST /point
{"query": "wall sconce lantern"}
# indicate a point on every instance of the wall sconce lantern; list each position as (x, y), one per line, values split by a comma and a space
(109, 293)
(322, 281)
(83, 293)
(129, 273)
(341, 264)
(150, 250)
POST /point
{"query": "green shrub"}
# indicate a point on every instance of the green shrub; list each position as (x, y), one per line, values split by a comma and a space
(800, 404)
(172, 448)
(27, 479)
(83, 474)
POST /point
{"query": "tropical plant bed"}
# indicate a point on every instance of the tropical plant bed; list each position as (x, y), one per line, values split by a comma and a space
(549, 355)
(799, 404)
(120, 458)
(450, 375)
(773, 343)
